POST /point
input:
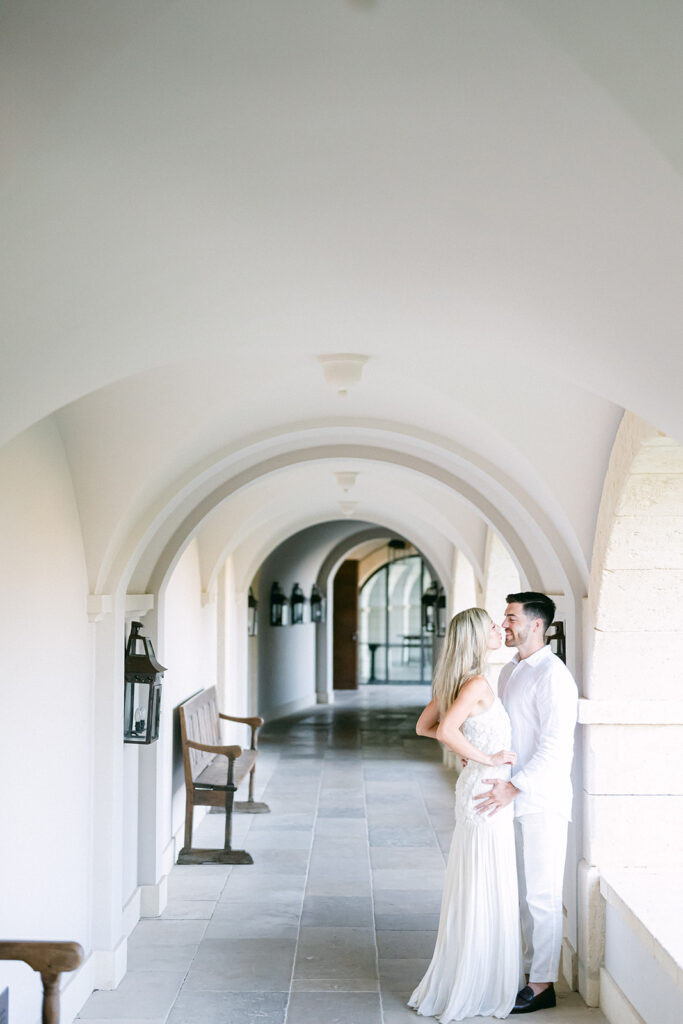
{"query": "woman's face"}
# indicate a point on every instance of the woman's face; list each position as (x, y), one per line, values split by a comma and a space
(495, 637)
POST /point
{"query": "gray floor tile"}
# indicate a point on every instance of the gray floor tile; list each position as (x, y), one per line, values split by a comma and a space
(409, 858)
(335, 985)
(405, 944)
(242, 965)
(177, 957)
(229, 1008)
(402, 836)
(399, 976)
(183, 910)
(334, 1008)
(343, 911)
(142, 995)
(401, 878)
(160, 932)
(231, 932)
(336, 953)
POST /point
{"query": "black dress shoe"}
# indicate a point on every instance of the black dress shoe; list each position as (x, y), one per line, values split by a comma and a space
(527, 1002)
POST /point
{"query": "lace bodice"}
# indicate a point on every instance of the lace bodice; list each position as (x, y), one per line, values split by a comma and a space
(490, 731)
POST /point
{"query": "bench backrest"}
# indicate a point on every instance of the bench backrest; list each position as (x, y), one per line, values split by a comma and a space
(199, 722)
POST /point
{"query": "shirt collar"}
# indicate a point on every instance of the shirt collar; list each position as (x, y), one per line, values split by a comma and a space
(536, 657)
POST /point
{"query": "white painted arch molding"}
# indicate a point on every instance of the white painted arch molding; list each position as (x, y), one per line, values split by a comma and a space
(540, 541)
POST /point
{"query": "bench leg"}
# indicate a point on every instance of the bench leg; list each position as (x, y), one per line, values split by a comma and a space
(225, 856)
(189, 813)
(251, 806)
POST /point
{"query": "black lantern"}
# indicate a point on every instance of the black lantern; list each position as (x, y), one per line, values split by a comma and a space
(278, 605)
(317, 604)
(429, 600)
(252, 619)
(556, 639)
(297, 601)
(142, 693)
(441, 613)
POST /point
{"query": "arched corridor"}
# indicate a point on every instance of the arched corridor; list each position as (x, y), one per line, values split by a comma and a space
(336, 919)
(291, 287)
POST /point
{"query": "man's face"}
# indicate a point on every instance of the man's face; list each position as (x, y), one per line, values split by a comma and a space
(516, 625)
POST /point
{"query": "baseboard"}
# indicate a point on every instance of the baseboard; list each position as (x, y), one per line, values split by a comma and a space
(110, 965)
(153, 898)
(325, 698)
(569, 965)
(614, 1004)
(130, 915)
(76, 989)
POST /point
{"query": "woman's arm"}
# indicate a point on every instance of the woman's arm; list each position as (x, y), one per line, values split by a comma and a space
(449, 731)
(428, 721)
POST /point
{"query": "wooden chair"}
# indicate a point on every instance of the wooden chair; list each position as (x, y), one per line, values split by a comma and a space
(50, 960)
(213, 773)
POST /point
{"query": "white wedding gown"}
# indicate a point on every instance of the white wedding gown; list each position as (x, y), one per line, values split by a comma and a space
(476, 969)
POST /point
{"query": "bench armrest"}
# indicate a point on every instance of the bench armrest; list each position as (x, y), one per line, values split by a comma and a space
(255, 722)
(231, 752)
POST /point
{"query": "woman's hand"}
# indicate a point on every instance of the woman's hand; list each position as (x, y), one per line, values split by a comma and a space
(503, 757)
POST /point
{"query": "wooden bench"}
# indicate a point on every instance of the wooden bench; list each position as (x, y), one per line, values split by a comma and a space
(213, 773)
(50, 960)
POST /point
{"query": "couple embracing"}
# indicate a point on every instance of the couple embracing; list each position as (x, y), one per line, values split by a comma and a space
(512, 805)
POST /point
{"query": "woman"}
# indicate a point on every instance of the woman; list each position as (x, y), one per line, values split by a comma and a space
(476, 966)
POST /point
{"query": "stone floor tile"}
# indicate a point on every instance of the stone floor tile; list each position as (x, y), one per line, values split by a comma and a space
(407, 922)
(159, 932)
(312, 884)
(341, 812)
(142, 995)
(323, 885)
(161, 958)
(405, 944)
(284, 839)
(335, 985)
(342, 911)
(183, 910)
(242, 965)
(336, 953)
(334, 1008)
(229, 1008)
(397, 835)
(197, 882)
(409, 858)
(340, 828)
(400, 975)
(400, 878)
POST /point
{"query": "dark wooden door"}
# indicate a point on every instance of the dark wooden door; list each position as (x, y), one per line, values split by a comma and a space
(345, 627)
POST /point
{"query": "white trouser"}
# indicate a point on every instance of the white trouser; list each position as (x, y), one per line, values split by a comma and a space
(541, 842)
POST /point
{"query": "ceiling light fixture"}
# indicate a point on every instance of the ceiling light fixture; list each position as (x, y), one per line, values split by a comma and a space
(346, 480)
(342, 370)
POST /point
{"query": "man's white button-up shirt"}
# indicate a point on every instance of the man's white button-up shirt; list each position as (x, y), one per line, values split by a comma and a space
(541, 698)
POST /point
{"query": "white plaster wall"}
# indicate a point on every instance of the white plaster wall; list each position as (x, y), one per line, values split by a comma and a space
(287, 654)
(189, 653)
(45, 724)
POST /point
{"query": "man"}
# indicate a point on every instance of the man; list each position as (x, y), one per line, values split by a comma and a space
(540, 696)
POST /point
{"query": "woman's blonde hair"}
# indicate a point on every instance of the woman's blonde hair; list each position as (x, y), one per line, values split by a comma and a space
(463, 655)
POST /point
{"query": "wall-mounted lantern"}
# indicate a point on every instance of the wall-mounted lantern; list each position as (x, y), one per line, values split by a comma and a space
(142, 689)
(278, 606)
(441, 613)
(252, 618)
(297, 602)
(429, 601)
(556, 639)
(317, 604)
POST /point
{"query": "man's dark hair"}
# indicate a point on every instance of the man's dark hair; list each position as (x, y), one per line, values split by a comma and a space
(536, 606)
